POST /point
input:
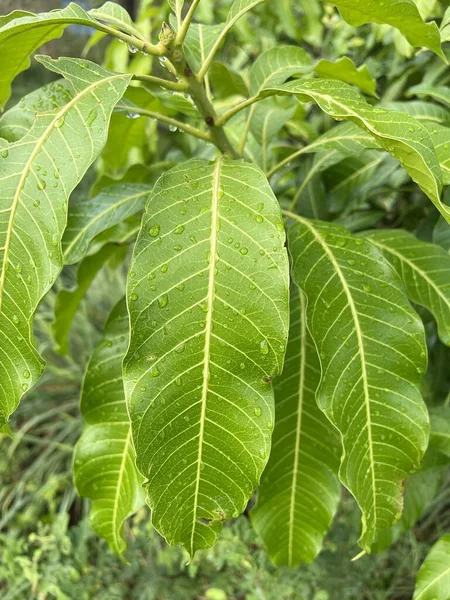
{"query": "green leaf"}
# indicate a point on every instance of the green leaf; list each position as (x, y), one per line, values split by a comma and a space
(115, 15)
(440, 433)
(440, 93)
(226, 81)
(199, 42)
(104, 460)
(372, 350)
(398, 133)
(276, 65)
(440, 136)
(424, 270)
(68, 301)
(88, 218)
(445, 26)
(37, 175)
(401, 14)
(208, 302)
(422, 111)
(177, 7)
(19, 119)
(433, 579)
(23, 35)
(345, 69)
(299, 490)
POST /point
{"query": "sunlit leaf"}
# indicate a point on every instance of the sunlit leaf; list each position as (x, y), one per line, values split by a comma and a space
(433, 579)
(345, 69)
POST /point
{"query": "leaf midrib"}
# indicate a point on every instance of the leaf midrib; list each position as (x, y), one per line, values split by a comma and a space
(26, 171)
(208, 333)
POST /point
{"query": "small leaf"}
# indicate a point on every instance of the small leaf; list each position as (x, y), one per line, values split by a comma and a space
(433, 579)
(37, 175)
(104, 460)
(345, 69)
(88, 218)
(299, 490)
(113, 14)
(68, 301)
(208, 302)
(424, 270)
(398, 133)
(372, 349)
(401, 14)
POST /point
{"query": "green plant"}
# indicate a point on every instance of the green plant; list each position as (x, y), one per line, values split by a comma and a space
(220, 348)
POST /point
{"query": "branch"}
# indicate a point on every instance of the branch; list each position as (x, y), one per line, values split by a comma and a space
(222, 120)
(186, 23)
(202, 135)
(143, 46)
(177, 86)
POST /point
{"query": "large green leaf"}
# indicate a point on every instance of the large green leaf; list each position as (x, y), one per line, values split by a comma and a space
(424, 270)
(104, 460)
(398, 133)
(401, 14)
(422, 111)
(440, 136)
(88, 218)
(299, 490)
(37, 175)
(208, 302)
(345, 69)
(372, 350)
(276, 65)
(441, 93)
(433, 580)
(22, 35)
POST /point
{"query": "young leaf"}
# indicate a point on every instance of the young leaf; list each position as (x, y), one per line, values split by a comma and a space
(115, 15)
(299, 490)
(401, 14)
(433, 579)
(372, 350)
(345, 69)
(88, 218)
(199, 42)
(208, 302)
(37, 175)
(424, 270)
(398, 133)
(68, 301)
(104, 460)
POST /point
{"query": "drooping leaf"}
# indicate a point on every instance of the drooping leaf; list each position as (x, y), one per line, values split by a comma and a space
(372, 350)
(37, 175)
(440, 136)
(445, 26)
(433, 579)
(424, 270)
(104, 460)
(226, 81)
(68, 301)
(345, 69)
(401, 14)
(88, 218)
(440, 93)
(398, 133)
(21, 35)
(208, 302)
(18, 120)
(299, 490)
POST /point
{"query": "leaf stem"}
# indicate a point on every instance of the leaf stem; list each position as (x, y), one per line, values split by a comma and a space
(235, 109)
(186, 23)
(202, 135)
(178, 86)
(144, 46)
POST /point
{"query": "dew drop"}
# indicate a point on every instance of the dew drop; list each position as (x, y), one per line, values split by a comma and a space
(154, 230)
(41, 184)
(59, 122)
(243, 251)
(264, 347)
(155, 372)
(179, 229)
(134, 297)
(4, 153)
(24, 386)
(163, 301)
(26, 374)
(164, 268)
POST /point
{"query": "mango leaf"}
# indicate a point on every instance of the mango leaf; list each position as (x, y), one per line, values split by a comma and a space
(276, 65)
(440, 136)
(199, 42)
(208, 302)
(424, 270)
(372, 349)
(37, 175)
(226, 81)
(433, 579)
(177, 7)
(104, 460)
(421, 110)
(88, 218)
(113, 14)
(299, 490)
(18, 120)
(440, 93)
(398, 133)
(345, 69)
(401, 14)
(445, 26)
(68, 301)
(440, 434)
(21, 35)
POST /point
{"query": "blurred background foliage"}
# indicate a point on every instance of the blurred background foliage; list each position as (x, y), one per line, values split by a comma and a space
(47, 548)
